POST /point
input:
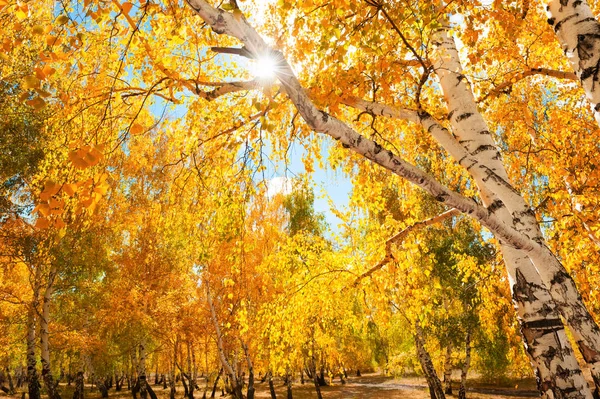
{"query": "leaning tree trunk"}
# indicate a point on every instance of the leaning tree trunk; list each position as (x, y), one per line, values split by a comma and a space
(472, 132)
(435, 385)
(214, 389)
(462, 392)
(49, 383)
(578, 32)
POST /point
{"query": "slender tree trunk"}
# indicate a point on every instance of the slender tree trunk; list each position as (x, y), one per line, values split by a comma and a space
(214, 389)
(49, 382)
(32, 375)
(288, 383)
(313, 370)
(462, 393)
(250, 391)
(271, 386)
(78, 393)
(190, 372)
(236, 384)
(11, 386)
(172, 376)
(435, 385)
(448, 370)
(142, 383)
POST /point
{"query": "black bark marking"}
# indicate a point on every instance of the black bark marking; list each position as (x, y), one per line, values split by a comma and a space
(324, 116)
(523, 291)
(486, 132)
(551, 21)
(464, 116)
(464, 141)
(590, 355)
(559, 278)
(442, 197)
(377, 148)
(581, 21)
(597, 107)
(576, 3)
(562, 21)
(484, 147)
(544, 324)
(345, 145)
(450, 114)
(494, 206)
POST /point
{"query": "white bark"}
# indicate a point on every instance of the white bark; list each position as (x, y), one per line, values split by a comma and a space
(578, 31)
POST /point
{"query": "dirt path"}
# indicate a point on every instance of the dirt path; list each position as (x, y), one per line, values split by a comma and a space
(377, 386)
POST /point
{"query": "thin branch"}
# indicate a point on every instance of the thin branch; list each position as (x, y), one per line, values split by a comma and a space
(399, 237)
(507, 86)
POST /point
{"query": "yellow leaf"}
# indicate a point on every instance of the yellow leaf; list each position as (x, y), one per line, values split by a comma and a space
(31, 82)
(63, 19)
(230, 296)
(38, 30)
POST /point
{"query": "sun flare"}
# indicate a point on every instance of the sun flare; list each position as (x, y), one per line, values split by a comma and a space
(265, 67)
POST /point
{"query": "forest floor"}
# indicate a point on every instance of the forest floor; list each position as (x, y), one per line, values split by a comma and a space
(367, 386)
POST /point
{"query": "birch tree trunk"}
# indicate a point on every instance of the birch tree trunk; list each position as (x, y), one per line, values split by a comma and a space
(448, 370)
(51, 386)
(462, 392)
(472, 131)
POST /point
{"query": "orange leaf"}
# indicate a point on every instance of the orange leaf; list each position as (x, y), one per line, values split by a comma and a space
(50, 189)
(42, 223)
(37, 103)
(126, 7)
(70, 189)
(136, 129)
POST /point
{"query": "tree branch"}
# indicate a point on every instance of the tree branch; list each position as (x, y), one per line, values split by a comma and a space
(400, 236)
(506, 86)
